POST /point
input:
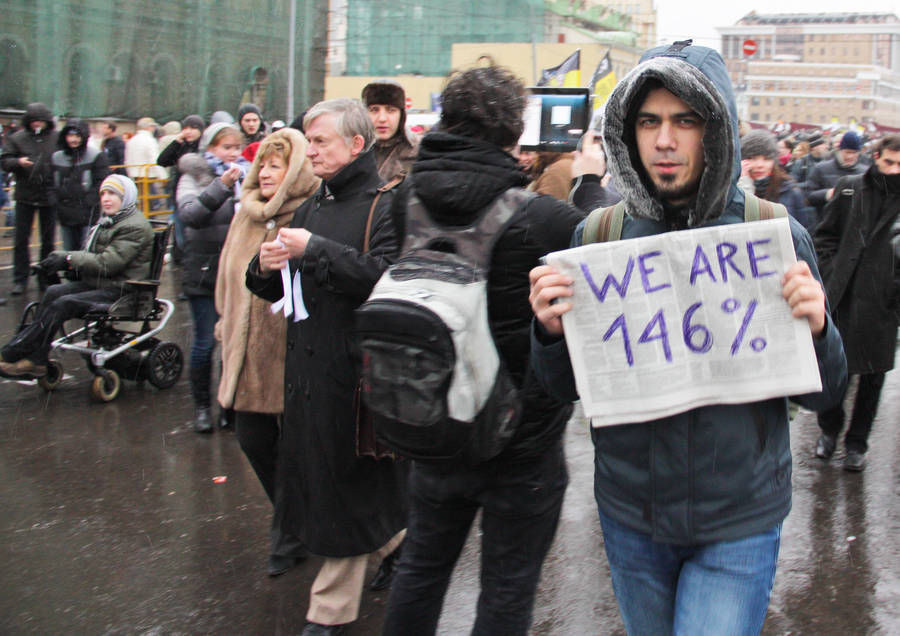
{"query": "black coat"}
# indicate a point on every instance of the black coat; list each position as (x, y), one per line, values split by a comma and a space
(32, 183)
(853, 243)
(114, 149)
(337, 503)
(823, 177)
(77, 175)
(456, 178)
(206, 206)
(172, 153)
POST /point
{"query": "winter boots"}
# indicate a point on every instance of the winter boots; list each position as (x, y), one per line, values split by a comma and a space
(200, 389)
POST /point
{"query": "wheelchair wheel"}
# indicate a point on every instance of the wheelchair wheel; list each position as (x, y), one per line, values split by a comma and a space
(164, 364)
(106, 386)
(54, 376)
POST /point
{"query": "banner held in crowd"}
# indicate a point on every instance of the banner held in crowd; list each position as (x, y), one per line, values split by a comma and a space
(663, 324)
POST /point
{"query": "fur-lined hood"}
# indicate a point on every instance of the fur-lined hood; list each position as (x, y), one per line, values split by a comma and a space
(195, 165)
(299, 182)
(698, 76)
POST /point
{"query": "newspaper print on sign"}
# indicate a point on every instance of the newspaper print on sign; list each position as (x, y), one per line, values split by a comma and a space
(663, 324)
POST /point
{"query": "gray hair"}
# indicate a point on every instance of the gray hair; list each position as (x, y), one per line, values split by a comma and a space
(350, 119)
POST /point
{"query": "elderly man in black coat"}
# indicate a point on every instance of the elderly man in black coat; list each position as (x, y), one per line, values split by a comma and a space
(343, 504)
(862, 281)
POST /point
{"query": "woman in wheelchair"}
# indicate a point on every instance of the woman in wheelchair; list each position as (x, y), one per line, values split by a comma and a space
(118, 249)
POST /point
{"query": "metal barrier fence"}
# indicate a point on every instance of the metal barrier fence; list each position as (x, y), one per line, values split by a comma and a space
(150, 191)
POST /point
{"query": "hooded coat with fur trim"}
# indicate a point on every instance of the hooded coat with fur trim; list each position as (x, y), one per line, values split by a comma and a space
(77, 175)
(32, 183)
(720, 472)
(252, 337)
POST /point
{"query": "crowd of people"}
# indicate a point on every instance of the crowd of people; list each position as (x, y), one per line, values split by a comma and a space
(281, 232)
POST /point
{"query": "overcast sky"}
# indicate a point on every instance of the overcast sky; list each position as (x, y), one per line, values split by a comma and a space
(680, 19)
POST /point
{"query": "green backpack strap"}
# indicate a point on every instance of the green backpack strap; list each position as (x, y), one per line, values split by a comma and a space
(756, 209)
(604, 224)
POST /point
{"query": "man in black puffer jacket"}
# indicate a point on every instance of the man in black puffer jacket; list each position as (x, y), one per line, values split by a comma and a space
(27, 155)
(460, 171)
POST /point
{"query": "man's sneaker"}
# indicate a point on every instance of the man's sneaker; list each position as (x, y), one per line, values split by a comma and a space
(17, 289)
(22, 369)
(825, 446)
(855, 461)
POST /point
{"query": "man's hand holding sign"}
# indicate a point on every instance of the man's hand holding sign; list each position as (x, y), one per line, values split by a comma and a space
(661, 324)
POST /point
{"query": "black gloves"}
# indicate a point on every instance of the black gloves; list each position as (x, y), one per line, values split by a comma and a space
(55, 261)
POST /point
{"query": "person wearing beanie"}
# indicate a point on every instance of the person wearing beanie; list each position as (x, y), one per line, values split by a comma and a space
(78, 171)
(762, 175)
(26, 154)
(856, 246)
(185, 142)
(845, 163)
(251, 122)
(206, 200)
(221, 117)
(395, 149)
(817, 150)
(118, 249)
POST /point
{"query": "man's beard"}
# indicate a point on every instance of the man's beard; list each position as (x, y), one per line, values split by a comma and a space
(668, 190)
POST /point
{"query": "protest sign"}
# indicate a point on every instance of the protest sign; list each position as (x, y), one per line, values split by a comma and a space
(663, 324)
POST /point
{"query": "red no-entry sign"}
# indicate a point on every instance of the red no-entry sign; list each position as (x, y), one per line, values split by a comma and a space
(749, 47)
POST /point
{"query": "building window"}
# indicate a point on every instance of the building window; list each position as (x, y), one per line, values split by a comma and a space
(754, 101)
(754, 116)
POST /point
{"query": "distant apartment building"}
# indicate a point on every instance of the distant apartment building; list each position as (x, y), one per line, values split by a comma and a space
(643, 18)
(816, 68)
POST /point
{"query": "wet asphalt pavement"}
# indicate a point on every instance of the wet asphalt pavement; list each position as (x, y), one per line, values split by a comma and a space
(112, 523)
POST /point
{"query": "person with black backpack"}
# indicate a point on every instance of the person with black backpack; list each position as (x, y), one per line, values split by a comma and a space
(464, 176)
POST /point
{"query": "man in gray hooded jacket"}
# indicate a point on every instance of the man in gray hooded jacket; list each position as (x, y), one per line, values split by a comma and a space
(692, 504)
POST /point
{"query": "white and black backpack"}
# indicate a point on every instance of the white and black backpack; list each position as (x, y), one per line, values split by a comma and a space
(431, 371)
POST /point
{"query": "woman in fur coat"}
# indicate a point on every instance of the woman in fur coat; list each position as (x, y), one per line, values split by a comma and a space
(252, 337)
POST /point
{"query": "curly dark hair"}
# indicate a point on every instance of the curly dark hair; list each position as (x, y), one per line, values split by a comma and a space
(484, 103)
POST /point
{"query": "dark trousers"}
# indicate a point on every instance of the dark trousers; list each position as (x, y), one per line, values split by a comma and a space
(520, 505)
(24, 221)
(73, 237)
(60, 303)
(203, 311)
(864, 409)
(258, 435)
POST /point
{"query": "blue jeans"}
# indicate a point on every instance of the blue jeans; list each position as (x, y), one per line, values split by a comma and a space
(203, 310)
(711, 588)
(73, 237)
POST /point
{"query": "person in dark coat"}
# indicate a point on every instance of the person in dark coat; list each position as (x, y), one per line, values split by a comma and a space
(461, 170)
(27, 154)
(113, 146)
(862, 281)
(78, 171)
(820, 186)
(206, 196)
(185, 142)
(691, 504)
(341, 505)
(395, 147)
(762, 175)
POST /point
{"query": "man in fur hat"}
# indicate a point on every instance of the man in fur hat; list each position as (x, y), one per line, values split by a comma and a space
(395, 148)
(691, 504)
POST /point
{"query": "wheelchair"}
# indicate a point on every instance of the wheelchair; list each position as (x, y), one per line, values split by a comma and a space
(119, 340)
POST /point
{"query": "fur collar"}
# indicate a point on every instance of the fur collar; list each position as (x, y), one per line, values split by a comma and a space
(299, 182)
